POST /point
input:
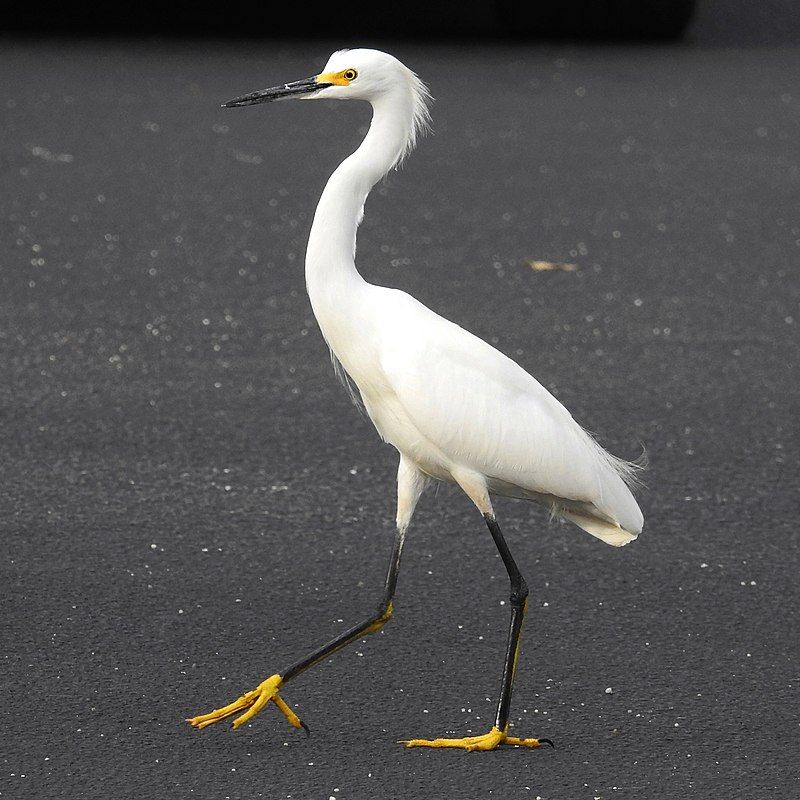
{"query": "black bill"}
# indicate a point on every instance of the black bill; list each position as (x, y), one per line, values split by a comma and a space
(305, 86)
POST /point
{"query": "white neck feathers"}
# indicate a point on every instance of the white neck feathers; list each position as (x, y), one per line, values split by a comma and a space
(399, 115)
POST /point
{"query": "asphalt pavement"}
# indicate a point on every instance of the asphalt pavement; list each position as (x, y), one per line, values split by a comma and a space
(190, 501)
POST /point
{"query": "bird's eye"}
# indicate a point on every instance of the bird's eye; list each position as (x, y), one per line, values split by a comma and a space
(350, 74)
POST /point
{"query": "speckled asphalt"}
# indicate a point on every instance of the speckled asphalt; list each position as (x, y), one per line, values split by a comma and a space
(189, 501)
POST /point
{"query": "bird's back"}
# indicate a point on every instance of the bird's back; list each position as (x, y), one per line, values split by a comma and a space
(449, 399)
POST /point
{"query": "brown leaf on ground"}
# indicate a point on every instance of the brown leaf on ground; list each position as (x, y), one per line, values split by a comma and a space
(547, 266)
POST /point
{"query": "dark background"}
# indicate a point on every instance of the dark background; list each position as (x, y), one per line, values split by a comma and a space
(190, 501)
(706, 22)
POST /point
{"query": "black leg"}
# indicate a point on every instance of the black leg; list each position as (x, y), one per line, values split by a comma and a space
(410, 483)
(519, 605)
(371, 624)
(267, 691)
(498, 735)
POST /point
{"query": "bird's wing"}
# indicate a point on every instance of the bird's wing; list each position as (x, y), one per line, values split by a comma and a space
(486, 413)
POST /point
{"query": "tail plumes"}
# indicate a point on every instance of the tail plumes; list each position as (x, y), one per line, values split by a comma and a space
(607, 532)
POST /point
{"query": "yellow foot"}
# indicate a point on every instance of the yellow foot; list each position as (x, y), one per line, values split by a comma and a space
(488, 741)
(252, 701)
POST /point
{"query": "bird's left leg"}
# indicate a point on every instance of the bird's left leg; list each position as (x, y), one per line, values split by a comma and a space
(475, 487)
(410, 483)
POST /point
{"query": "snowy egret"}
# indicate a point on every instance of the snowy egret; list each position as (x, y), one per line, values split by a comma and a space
(455, 408)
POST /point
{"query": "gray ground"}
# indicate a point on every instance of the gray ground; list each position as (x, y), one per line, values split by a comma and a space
(190, 501)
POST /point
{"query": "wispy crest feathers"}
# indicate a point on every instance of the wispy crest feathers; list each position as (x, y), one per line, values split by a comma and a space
(421, 99)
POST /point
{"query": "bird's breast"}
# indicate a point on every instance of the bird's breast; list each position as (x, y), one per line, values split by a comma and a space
(360, 328)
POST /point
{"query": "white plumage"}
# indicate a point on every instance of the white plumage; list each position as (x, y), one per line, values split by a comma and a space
(455, 408)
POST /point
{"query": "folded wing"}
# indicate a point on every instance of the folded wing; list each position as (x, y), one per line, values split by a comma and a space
(488, 414)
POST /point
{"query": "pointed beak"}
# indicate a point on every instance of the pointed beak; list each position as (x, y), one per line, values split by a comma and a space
(298, 88)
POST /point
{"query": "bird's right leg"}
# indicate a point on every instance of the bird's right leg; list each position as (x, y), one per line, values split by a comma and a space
(410, 483)
(475, 487)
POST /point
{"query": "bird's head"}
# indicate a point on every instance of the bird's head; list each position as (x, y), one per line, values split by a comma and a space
(349, 75)
(370, 75)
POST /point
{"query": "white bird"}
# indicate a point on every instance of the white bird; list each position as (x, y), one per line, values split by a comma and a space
(455, 408)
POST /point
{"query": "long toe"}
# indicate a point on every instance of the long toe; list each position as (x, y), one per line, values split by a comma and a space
(488, 741)
(251, 703)
(204, 720)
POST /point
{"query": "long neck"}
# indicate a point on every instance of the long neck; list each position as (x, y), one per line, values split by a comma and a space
(330, 258)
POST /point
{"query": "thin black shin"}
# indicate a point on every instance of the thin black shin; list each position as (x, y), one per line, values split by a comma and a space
(519, 604)
(369, 625)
